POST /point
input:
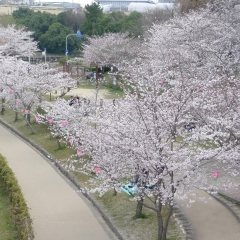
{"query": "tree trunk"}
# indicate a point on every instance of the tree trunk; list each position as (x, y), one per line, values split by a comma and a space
(28, 123)
(114, 192)
(139, 208)
(3, 106)
(28, 118)
(58, 143)
(160, 222)
(16, 116)
(166, 222)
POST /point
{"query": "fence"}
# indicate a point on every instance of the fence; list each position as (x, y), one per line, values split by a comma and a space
(73, 70)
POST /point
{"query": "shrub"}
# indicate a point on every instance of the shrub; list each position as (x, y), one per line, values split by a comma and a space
(20, 212)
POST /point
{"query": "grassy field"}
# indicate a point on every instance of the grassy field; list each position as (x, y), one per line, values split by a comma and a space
(7, 228)
(120, 208)
(8, 10)
(6, 20)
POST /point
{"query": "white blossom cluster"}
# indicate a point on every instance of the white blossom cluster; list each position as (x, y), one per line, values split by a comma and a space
(23, 85)
(180, 111)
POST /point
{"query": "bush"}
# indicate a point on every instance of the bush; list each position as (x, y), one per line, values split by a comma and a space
(62, 60)
(110, 86)
(20, 212)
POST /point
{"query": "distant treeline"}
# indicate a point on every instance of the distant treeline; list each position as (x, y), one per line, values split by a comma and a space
(50, 30)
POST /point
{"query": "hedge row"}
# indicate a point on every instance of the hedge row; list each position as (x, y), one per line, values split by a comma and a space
(19, 207)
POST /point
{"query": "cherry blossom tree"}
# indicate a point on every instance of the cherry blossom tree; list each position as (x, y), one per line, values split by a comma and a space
(66, 121)
(26, 85)
(112, 49)
(190, 62)
(16, 41)
(180, 113)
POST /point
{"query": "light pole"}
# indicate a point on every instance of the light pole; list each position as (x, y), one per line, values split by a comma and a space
(29, 57)
(44, 54)
(78, 34)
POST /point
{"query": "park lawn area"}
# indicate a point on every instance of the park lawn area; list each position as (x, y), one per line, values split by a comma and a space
(7, 229)
(111, 90)
(6, 20)
(120, 208)
(86, 84)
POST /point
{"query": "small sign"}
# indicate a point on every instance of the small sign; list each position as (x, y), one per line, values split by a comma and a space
(64, 123)
(97, 169)
(79, 153)
(79, 34)
(215, 174)
(50, 121)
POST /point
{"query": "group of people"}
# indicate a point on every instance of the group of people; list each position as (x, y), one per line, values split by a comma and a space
(76, 100)
(73, 100)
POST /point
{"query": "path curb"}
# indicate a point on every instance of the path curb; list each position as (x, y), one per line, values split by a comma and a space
(237, 201)
(183, 221)
(232, 205)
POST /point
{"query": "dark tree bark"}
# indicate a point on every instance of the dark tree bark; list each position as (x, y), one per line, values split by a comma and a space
(3, 106)
(139, 208)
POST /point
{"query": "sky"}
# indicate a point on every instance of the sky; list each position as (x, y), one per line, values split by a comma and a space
(83, 2)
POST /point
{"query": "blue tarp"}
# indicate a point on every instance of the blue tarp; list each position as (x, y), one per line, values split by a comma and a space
(129, 189)
(133, 189)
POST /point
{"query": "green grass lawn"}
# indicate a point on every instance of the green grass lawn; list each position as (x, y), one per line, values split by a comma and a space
(7, 228)
(112, 91)
(6, 20)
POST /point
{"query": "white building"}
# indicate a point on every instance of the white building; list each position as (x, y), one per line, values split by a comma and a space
(166, 1)
(143, 7)
(106, 8)
(121, 4)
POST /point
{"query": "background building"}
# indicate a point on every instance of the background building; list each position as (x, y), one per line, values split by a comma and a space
(166, 1)
(121, 5)
(143, 7)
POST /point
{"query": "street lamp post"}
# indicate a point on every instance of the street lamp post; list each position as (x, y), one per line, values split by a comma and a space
(78, 34)
(29, 57)
(44, 54)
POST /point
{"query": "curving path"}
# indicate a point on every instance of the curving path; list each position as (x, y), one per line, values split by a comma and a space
(210, 219)
(58, 211)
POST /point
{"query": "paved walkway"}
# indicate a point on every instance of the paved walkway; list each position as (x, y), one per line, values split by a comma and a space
(210, 219)
(57, 210)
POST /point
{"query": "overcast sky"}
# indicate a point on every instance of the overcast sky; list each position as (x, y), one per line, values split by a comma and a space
(83, 2)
